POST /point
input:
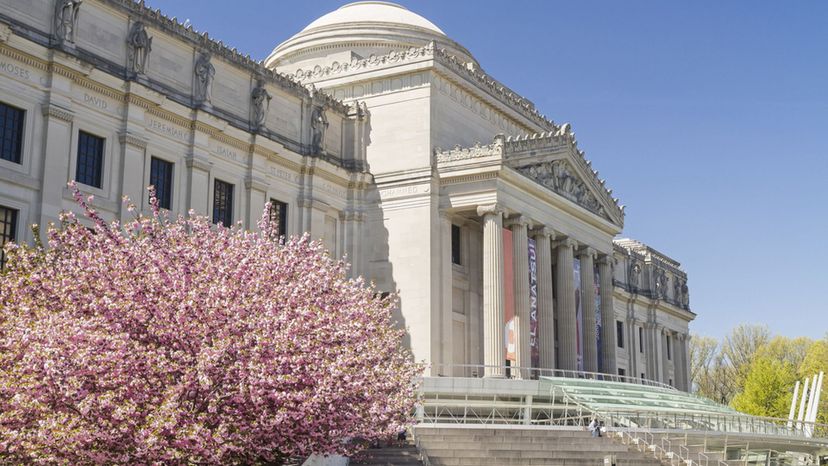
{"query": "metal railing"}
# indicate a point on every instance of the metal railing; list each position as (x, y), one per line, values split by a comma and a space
(517, 372)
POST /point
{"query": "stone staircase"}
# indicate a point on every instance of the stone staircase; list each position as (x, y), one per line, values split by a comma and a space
(507, 446)
(389, 456)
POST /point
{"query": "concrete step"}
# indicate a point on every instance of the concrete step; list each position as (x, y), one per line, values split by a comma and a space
(389, 456)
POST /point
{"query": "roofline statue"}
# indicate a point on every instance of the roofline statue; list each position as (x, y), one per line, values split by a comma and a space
(66, 20)
(139, 45)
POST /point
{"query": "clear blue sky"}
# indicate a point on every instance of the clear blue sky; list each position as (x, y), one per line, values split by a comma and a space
(708, 119)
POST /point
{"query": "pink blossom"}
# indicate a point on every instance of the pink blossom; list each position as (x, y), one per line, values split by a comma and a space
(173, 341)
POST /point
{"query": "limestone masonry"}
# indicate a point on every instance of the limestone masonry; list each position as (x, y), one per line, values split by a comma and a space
(373, 131)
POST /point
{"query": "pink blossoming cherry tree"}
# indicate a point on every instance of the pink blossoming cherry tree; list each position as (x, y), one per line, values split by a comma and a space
(173, 341)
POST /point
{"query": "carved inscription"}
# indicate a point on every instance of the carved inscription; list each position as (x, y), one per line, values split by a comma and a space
(166, 129)
(284, 175)
(14, 70)
(96, 101)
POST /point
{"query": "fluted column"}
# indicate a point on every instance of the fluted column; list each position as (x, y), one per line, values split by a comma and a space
(587, 257)
(608, 342)
(494, 317)
(565, 312)
(520, 257)
(546, 315)
(685, 371)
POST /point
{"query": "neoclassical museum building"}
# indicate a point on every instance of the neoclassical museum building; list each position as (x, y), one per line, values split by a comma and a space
(375, 132)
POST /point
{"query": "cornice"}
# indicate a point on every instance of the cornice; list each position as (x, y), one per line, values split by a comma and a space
(60, 113)
(133, 140)
(374, 61)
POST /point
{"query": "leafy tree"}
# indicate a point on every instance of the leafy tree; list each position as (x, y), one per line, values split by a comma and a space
(177, 342)
(709, 371)
(767, 390)
(814, 362)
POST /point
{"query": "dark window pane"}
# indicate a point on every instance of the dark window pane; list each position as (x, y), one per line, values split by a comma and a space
(619, 333)
(455, 244)
(641, 340)
(11, 132)
(223, 203)
(278, 214)
(89, 168)
(8, 229)
(669, 353)
(161, 173)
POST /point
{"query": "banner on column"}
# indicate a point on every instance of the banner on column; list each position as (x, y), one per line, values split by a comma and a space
(533, 304)
(509, 295)
(579, 316)
(598, 323)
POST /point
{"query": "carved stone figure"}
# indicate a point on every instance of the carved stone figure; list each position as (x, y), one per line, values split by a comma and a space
(66, 19)
(558, 177)
(319, 123)
(661, 281)
(635, 275)
(677, 290)
(204, 74)
(685, 295)
(261, 103)
(139, 45)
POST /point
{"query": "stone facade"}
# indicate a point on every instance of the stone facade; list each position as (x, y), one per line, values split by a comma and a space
(345, 123)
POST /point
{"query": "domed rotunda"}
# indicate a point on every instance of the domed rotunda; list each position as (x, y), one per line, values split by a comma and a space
(359, 30)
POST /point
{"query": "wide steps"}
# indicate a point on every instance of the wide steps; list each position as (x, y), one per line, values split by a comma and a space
(541, 447)
(389, 456)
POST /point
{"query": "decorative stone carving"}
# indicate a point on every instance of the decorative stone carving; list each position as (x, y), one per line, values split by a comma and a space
(66, 19)
(261, 103)
(661, 281)
(139, 45)
(204, 73)
(319, 124)
(465, 153)
(682, 295)
(635, 275)
(559, 177)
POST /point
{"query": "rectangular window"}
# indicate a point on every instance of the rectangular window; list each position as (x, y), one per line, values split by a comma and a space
(8, 230)
(89, 169)
(619, 333)
(642, 377)
(223, 203)
(455, 244)
(622, 372)
(161, 176)
(278, 214)
(669, 352)
(640, 339)
(670, 382)
(11, 132)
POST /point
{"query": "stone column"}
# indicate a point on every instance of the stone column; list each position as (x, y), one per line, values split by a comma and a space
(520, 255)
(590, 344)
(565, 312)
(608, 343)
(546, 316)
(57, 147)
(683, 367)
(494, 316)
(446, 290)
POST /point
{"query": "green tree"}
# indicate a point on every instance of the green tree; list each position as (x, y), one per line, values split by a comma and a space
(740, 348)
(814, 362)
(767, 389)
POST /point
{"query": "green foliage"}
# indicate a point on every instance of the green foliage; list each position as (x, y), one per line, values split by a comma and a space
(767, 388)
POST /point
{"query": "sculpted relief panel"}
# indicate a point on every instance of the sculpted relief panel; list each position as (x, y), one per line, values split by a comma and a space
(559, 176)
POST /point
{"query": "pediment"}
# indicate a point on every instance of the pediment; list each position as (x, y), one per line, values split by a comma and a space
(559, 176)
(554, 161)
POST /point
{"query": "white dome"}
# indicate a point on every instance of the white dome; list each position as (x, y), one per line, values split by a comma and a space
(373, 12)
(359, 30)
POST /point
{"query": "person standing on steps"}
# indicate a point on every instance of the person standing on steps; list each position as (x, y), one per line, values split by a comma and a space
(595, 427)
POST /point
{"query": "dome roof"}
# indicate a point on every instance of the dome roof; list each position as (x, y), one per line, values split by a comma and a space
(359, 30)
(373, 12)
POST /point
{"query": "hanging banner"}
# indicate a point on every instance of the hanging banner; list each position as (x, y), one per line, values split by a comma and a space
(533, 304)
(579, 317)
(509, 295)
(598, 324)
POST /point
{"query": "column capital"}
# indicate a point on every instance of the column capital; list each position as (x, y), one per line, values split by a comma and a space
(543, 230)
(444, 214)
(606, 259)
(586, 251)
(567, 243)
(490, 209)
(517, 220)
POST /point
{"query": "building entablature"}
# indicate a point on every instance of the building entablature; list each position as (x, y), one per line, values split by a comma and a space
(642, 271)
(180, 71)
(454, 68)
(550, 160)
